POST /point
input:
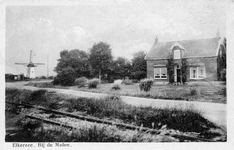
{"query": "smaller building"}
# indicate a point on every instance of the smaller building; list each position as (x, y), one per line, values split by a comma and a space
(187, 60)
(12, 74)
(11, 77)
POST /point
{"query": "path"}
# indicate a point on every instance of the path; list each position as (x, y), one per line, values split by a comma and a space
(214, 112)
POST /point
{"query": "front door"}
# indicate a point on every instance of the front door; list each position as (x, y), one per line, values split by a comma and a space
(178, 75)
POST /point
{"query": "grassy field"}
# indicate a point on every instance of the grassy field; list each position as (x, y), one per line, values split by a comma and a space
(207, 92)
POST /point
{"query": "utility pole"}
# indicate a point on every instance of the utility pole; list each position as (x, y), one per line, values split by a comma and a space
(47, 65)
(30, 58)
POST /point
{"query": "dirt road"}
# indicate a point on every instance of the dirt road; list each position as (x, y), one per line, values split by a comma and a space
(212, 111)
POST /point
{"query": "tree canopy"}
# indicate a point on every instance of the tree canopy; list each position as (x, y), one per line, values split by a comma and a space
(75, 59)
(99, 62)
(139, 66)
(100, 58)
(121, 68)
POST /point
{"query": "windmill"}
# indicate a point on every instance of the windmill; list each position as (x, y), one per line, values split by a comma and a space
(30, 67)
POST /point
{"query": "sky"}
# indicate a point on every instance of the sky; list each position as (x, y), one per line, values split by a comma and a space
(128, 26)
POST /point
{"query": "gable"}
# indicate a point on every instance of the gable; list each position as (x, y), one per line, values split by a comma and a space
(193, 48)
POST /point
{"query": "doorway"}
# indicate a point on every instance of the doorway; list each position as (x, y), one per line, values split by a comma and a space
(177, 71)
(178, 76)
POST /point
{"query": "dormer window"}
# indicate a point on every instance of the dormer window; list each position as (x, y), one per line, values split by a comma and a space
(176, 54)
(177, 50)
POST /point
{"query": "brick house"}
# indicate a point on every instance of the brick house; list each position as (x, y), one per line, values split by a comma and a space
(187, 60)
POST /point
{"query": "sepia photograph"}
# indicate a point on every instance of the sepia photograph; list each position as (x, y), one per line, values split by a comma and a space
(115, 71)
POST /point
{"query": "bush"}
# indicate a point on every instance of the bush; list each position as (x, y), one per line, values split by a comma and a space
(127, 81)
(42, 77)
(145, 84)
(50, 77)
(66, 77)
(115, 87)
(93, 83)
(138, 75)
(135, 81)
(194, 91)
(81, 82)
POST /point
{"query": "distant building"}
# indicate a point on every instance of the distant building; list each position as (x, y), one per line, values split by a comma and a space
(205, 59)
(13, 75)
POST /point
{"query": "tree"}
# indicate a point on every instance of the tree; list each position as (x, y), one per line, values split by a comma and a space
(100, 58)
(139, 66)
(170, 68)
(222, 62)
(65, 77)
(184, 70)
(75, 59)
(121, 68)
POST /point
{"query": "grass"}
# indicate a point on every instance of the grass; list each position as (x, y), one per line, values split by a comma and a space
(112, 107)
(209, 92)
(34, 131)
(186, 120)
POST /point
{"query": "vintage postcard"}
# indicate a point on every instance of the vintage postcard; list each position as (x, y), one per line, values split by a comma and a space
(99, 74)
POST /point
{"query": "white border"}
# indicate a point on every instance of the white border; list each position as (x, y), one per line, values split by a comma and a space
(165, 146)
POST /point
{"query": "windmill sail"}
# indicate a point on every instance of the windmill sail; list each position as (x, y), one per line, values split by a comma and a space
(30, 67)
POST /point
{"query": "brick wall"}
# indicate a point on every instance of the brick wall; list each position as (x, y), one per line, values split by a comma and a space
(210, 65)
(150, 68)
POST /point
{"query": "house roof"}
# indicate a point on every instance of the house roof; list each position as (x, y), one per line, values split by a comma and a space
(193, 48)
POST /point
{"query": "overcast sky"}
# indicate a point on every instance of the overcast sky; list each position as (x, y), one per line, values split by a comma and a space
(128, 26)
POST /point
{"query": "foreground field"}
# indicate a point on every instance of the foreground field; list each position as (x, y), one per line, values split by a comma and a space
(171, 120)
(204, 92)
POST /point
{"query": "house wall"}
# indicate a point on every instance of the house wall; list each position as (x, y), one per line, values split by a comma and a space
(150, 69)
(210, 65)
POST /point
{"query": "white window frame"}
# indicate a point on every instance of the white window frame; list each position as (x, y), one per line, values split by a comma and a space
(160, 73)
(179, 55)
(197, 75)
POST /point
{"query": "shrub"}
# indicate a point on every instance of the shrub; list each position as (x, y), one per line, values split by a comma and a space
(135, 81)
(127, 81)
(81, 82)
(145, 84)
(42, 77)
(93, 83)
(51, 77)
(65, 77)
(138, 75)
(194, 91)
(115, 87)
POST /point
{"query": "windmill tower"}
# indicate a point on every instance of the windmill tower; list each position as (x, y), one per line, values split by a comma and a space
(30, 67)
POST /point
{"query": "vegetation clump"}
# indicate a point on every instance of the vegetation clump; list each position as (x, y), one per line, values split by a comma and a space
(93, 83)
(146, 84)
(115, 87)
(81, 82)
(183, 119)
(127, 81)
(36, 131)
(194, 91)
(66, 77)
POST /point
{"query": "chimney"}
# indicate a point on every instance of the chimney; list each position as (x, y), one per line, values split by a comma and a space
(156, 39)
(217, 33)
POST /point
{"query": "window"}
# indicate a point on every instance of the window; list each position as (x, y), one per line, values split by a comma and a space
(176, 54)
(197, 72)
(160, 73)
